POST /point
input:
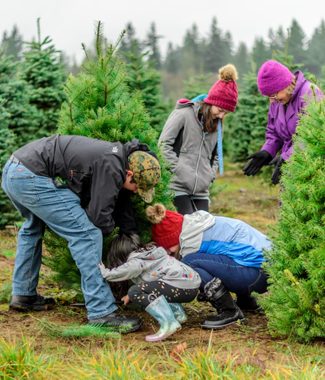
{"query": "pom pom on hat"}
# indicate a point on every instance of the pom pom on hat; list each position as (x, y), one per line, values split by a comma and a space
(166, 225)
(224, 92)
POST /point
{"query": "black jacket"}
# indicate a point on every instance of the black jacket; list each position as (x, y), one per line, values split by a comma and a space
(93, 169)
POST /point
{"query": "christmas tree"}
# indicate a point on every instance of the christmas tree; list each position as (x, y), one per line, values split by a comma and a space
(100, 105)
(7, 143)
(17, 122)
(43, 71)
(141, 76)
(295, 302)
(245, 131)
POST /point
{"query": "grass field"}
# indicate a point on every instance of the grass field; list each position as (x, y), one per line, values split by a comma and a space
(247, 351)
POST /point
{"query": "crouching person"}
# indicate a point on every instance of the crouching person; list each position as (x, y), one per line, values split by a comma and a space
(80, 188)
(227, 253)
(161, 282)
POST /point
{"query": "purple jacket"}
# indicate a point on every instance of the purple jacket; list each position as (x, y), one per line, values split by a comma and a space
(283, 119)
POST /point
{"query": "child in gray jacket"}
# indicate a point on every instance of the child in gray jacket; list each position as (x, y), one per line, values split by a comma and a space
(160, 281)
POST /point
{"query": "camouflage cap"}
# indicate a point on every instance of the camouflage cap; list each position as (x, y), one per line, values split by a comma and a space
(146, 173)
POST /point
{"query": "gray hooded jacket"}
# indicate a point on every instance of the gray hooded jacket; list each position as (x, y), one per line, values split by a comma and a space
(152, 264)
(195, 165)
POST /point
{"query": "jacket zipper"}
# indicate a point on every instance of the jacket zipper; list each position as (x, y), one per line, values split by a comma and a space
(197, 163)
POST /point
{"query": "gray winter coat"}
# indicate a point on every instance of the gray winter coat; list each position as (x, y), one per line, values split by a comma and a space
(195, 165)
(152, 264)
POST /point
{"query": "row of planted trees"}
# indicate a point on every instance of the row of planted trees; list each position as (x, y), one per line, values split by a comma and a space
(112, 100)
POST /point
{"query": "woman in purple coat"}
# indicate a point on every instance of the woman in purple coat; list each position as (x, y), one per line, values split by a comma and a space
(288, 94)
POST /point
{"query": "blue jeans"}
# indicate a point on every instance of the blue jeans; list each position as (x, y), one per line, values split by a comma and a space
(42, 203)
(237, 278)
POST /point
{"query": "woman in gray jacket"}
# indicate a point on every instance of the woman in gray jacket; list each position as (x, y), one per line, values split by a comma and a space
(160, 281)
(189, 142)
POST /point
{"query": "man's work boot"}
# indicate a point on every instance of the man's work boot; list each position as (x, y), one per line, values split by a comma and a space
(31, 303)
(220, 298)
(117, 321)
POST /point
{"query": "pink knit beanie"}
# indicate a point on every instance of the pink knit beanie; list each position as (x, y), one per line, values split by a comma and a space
(273, 77)
(224, 92)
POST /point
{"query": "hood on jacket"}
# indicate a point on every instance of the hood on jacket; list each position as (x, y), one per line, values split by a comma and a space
(150, 252)
(192, 231)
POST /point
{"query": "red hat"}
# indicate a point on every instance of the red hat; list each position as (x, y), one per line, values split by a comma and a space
(224, 92)
(167, 225)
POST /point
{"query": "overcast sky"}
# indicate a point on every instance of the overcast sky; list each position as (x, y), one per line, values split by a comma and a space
(71, 22)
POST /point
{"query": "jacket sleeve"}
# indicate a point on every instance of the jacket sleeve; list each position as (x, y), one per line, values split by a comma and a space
(272, 141)
(123, 214)
(107, 180)
(131, 269)
(166, 142)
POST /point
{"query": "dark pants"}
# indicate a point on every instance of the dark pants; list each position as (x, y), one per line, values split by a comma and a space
(237, 278)
(146, 292)
(185, 204)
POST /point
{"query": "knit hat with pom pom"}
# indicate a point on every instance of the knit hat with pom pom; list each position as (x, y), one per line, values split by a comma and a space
(166, 225)
(224, 92)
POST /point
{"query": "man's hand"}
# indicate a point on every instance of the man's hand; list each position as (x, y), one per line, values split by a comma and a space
(257, 160)
(125, 299)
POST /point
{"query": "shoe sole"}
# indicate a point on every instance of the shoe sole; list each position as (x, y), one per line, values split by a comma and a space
(26, 308)
(211, 327)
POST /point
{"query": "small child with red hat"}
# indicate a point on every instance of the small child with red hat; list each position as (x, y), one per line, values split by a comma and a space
(190, 139)
(161, 282)
(227, 253)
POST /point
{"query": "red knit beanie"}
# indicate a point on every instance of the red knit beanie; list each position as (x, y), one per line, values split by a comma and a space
(224, 92)
(166, 225)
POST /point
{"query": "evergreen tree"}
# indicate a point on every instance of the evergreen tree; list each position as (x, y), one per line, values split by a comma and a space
(277, 40)
(198, 84)
(173, 59)
(42, 69)
(260, 52)
(12, 44)
(295, 303)
(316, 51)
(296, 42)
(214, 55)
(246, 127)
(242, 60)
(129, 44)
(15, 93)
(191, 61)
(8, 213)
(100, 105)
(152, 43)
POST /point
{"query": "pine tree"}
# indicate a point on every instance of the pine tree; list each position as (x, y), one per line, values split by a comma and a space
(316, 52)
(295, 302)
(173, 59)
(296, 42)
(8, 213)
(242, 60)
(198, 84)
(215, 53)
(260, 52)
(16, 94)
(12, 44)
(44, 72)
(192, 57)
(246, 127)
(152, 44)
(100, 105)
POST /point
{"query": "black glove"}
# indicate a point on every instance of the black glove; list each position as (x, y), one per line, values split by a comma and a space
(257, 160)
(276, 175)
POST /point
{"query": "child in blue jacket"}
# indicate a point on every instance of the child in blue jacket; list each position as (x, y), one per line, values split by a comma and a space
(227, 253)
